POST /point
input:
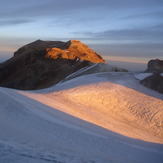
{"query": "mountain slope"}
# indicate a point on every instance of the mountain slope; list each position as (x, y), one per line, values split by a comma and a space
(41, 64)
(82, 121)
(115, 95)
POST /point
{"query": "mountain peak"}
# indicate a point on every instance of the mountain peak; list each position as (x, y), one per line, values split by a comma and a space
(72, 49)
(76, 51)
(41, 64)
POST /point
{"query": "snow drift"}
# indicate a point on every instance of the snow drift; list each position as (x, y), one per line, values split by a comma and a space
(110, 118)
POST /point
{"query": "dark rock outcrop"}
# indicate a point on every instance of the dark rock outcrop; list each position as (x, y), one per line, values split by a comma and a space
(155, 66)
(41, 64)
(154, 82)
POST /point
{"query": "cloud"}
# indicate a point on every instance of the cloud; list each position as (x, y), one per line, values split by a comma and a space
(146, 33)
(147, 50)
(39, 8)
(52, 8)
(158, 27)
(130, 34)
(148, 15)
(14, 22)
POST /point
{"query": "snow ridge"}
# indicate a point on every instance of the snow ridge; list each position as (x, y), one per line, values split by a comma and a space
(110, 118)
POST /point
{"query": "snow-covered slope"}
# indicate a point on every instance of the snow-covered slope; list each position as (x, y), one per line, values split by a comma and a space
(94, 68)
(98, 118)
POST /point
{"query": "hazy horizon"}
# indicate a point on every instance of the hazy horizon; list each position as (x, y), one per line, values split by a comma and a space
(115, 29)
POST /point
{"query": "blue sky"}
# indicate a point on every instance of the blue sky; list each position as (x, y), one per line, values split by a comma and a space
(130, 30)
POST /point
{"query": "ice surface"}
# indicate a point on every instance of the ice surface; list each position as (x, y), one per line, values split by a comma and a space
(142, 76)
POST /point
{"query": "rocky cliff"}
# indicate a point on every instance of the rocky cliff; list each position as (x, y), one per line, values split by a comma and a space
(44, 63)
(76, 51)
(154, 81)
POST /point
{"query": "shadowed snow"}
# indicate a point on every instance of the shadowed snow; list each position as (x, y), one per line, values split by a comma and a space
(98, 118)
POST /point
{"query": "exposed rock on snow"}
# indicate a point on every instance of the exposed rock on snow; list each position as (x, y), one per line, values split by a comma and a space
(152, 77)
(154, 82)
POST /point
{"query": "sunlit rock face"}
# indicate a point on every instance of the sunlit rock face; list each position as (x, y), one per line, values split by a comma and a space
(41, 64)
(76, 51)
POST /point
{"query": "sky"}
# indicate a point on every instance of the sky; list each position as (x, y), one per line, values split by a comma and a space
(121, 30)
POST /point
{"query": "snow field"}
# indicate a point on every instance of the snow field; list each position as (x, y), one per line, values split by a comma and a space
(98, 118)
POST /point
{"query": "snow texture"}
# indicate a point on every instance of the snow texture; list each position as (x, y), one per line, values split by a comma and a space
(98, 118)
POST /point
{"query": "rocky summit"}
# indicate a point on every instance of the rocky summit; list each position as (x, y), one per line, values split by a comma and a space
(155, 65)
(41, 64)
(76, 51)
